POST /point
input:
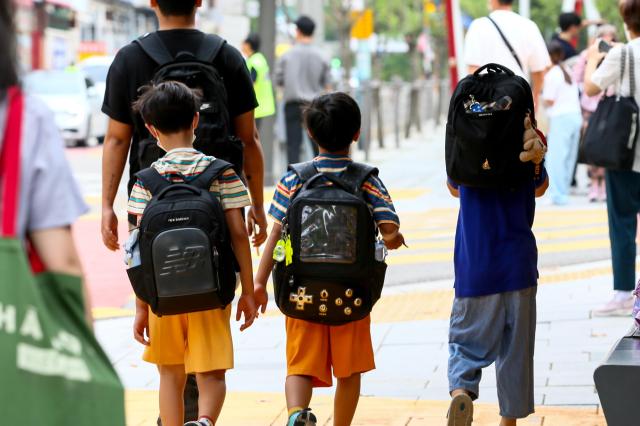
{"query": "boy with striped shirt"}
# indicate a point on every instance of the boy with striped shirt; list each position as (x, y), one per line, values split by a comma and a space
(198, 342)
(313, 350)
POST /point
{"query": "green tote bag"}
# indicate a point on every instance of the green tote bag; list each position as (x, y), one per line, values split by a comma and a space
(52, 370)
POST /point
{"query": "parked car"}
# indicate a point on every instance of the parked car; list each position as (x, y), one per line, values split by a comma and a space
(96, 69)
(73, 99)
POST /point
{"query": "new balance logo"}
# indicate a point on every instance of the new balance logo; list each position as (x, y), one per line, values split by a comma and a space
(179, 260)
(178, 219)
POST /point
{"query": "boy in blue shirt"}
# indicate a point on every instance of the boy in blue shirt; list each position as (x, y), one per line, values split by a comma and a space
(493, 318)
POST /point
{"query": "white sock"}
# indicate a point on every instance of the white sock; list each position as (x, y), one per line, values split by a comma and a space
(205, 421)
(622, 295)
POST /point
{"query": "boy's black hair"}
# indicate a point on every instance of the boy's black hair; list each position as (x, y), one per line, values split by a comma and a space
(177, 7)
(505, 2)
(305, 25)
(333, 121)
(253, 40)
(169, 106)
(568, 20)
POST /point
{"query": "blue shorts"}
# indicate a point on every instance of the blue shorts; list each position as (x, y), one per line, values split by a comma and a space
(498, 328)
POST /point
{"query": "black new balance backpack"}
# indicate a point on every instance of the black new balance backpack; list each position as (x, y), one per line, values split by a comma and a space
(485, 126)
(329, 273)
(187, 263)
(213, 135)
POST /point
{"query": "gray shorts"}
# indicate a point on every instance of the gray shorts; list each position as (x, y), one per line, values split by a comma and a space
(497, 328)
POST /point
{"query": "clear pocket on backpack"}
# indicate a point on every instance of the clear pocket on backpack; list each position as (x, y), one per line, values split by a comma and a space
(328, 234)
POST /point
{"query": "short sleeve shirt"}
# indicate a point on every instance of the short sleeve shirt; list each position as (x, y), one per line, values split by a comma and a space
(495, 249)
(132, 68)
(376, 195)
(565, 96)
(483, 44)
(49, 195)
(184, 165)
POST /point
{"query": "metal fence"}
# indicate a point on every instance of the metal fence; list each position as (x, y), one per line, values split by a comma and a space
(391, 111)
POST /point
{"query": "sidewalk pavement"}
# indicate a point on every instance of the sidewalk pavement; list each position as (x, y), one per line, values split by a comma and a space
(410, 322)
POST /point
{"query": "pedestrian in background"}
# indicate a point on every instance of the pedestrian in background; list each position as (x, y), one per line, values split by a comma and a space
(608, 34)
(508, 39)
(562, 101)
(303, 73)
(570, 25)
(623, 187)
(260, 75)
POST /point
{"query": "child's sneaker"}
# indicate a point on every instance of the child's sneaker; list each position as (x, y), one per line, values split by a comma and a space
(202, 422)
(460, 411)
(302, 418)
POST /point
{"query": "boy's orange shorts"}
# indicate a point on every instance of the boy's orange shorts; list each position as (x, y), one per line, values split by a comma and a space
(313, 349)
(201, 341)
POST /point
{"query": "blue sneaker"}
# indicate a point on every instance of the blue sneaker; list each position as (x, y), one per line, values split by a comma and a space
(302, 418)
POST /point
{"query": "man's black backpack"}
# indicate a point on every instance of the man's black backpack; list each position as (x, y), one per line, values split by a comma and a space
(485, 127)
(331, 275)
(213, 135)
(187, 263)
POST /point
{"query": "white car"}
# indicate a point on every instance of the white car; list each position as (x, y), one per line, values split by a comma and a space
(73, 99)
(96, 69)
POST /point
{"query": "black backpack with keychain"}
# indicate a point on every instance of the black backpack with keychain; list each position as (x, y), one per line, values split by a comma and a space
(187, 262)
(330, 267)
(213, 135)
(484, 129)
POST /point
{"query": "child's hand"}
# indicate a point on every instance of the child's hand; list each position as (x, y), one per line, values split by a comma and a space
(393, 241)
(261, 297)
(141, 326)
(246, 306)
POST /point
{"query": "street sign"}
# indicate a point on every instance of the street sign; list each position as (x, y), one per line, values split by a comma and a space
(362, 24)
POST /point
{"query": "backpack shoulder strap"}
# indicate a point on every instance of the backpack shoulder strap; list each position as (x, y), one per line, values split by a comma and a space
(152, 45)
(152, 180)
(209, 48)
(211, 173)
(506, 42)
(357, 174)
(304, 171)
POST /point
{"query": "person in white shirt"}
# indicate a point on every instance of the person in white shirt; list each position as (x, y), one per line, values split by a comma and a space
(623, 186)
(483, 44)
(562, 100)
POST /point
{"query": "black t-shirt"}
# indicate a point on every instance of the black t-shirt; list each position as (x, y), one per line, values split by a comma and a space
(132, 68)
(569, 50)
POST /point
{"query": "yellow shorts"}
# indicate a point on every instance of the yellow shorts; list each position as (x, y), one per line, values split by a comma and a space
(199, 340)
(313, 349)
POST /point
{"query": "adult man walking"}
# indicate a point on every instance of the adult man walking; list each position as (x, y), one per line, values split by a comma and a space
(506, 38)
(132, 68)
(304, 74)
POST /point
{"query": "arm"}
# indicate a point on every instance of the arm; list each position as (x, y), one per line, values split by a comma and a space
(540, 191)
(240, 243)
(537, 81)
(594, 57)
(455, 192)
(114, 157)
(58, 253)
(246, 130)
(265, 268)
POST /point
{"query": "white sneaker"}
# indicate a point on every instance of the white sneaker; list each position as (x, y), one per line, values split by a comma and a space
(615, 308)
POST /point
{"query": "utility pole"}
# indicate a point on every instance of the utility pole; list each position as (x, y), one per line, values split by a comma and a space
(525, 8)
(267, 25)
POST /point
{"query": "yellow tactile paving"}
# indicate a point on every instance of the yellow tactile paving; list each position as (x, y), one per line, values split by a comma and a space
(266, 409)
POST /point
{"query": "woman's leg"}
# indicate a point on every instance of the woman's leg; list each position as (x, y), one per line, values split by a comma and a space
(172, 381)
(557, 160)
(346, 399)
(213, 389)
